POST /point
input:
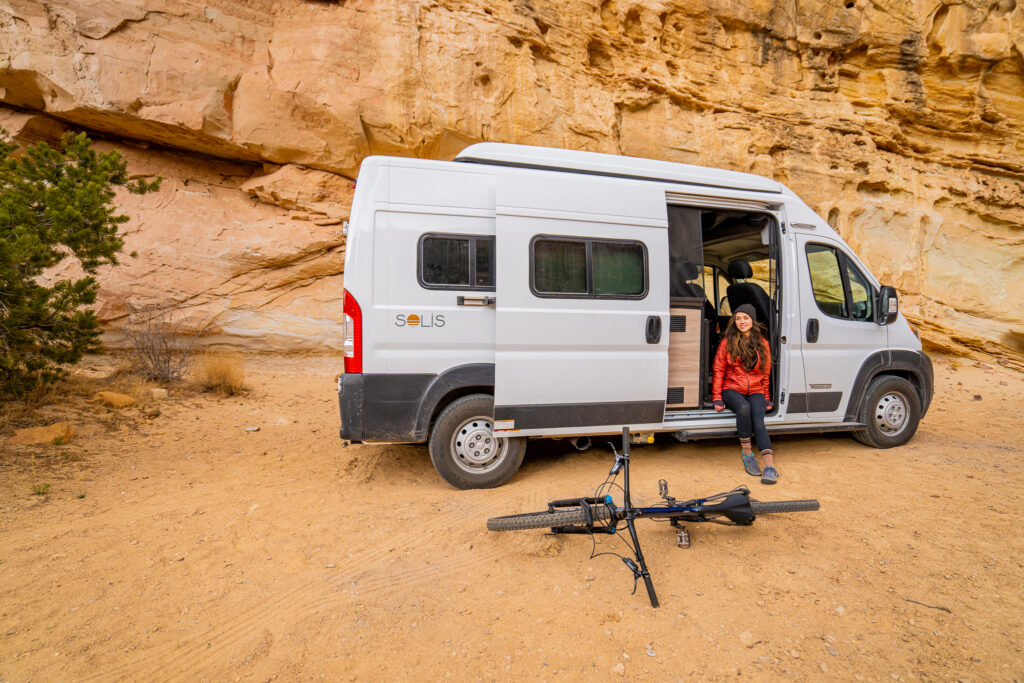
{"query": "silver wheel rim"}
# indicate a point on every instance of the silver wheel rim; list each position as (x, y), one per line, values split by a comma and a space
(891, 413)
(475, 448)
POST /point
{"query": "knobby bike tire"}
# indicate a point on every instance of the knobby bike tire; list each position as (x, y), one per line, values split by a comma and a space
(546, 520)
(777, 506)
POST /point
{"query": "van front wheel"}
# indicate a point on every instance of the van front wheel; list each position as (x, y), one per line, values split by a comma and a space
(891, 409)
(464, 449)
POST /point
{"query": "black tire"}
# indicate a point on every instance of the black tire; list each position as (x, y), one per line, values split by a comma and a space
(891, 409)
(780, 506)
(546, 520)
(479, 461)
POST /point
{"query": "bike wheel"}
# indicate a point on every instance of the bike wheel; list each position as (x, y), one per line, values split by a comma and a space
(778, 506)
(546, 520)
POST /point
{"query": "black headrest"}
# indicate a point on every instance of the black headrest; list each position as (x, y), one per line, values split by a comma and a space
(740, 270)
(689, 270)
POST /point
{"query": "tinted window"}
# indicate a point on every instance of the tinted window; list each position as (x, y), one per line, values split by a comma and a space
(840, 289)
(456, 262)
(618, 268)
(860, 294)
(589, 268)
(826, 280)
(484, 259)
(560, 267)
(445, 261)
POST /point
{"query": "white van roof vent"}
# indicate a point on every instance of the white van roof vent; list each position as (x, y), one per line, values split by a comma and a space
(527, 156)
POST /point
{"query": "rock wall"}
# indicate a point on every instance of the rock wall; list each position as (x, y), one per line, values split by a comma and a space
(901, 122)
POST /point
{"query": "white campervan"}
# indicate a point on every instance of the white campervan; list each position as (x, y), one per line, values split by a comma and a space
(529, 292)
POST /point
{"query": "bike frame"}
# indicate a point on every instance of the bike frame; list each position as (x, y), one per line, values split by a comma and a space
(734, 505)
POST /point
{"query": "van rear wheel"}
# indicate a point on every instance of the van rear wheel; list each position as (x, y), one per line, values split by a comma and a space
(891, 409)
(464, 449)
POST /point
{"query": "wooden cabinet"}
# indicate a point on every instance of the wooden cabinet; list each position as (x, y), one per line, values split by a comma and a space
(686, 330)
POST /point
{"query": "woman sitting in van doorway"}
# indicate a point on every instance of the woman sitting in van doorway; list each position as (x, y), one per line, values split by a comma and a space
(742, 368)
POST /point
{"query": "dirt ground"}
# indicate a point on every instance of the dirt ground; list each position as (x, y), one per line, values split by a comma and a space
(186, 547)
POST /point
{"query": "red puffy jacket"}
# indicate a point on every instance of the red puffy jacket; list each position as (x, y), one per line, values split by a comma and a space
(729, 373)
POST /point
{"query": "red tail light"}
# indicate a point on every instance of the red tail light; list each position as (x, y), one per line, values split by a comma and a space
(353, 335)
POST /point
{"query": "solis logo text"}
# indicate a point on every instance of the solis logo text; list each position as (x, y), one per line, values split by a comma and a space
(414, 320)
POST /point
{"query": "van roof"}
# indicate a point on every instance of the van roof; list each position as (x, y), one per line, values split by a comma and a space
(528, 156)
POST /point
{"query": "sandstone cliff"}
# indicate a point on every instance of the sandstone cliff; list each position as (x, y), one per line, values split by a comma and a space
(901, 122)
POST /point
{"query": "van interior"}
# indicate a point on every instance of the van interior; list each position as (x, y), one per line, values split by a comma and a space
(719, 259)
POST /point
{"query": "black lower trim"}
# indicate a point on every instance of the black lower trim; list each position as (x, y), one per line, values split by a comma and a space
(350, 403)
(399, 407)
(916, 363)
(686, 436)
(816, 402)
(554, 416)
(383, 408)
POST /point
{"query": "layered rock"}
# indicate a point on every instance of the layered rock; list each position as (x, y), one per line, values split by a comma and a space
(902, 123)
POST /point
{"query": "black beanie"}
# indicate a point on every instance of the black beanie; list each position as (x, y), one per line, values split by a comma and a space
(748, 309)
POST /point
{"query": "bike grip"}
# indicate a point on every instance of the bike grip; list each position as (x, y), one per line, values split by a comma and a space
(650, 591)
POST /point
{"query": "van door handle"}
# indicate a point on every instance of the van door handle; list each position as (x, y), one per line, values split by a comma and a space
(812, 330)
(476, 301)
(653, 329)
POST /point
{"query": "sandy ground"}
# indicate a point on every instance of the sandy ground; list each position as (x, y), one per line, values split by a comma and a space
(188, 548)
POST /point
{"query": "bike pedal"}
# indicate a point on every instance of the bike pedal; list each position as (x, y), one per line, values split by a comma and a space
(682, 538)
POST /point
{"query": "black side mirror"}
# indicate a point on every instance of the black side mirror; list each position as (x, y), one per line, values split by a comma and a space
(888, 305)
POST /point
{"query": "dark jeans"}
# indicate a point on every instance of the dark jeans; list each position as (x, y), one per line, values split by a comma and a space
(749, 414)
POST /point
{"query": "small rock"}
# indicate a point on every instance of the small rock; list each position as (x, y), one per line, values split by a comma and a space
(794, 654)
(49, 434)
(329, 565)
(747, 638)
(625, 656)
(114, 399)
(619, 669)
(824, 667)
(977, 397)
(158, 394)
(254, 428)
(651, 653)
(834, 652)
(840, 610)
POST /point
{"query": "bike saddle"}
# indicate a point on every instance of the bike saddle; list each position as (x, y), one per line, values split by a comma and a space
(736, 508)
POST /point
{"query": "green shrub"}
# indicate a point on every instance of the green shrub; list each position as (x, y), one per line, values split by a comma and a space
(54, 204)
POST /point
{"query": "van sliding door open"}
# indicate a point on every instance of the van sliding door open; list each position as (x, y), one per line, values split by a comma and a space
(582, 329)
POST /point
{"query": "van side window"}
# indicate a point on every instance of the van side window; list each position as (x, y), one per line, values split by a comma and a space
(591, 268)
(840, 290)
(860, 293)
(560, 267)
(456, 261)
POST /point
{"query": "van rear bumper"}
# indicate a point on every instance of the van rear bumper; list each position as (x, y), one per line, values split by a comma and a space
(350, 403)
(382, 407)
(399, 407)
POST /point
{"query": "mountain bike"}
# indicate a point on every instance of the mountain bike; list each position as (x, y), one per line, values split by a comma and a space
(598, 514)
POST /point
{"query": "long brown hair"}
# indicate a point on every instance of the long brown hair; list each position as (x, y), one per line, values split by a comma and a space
(746, 348)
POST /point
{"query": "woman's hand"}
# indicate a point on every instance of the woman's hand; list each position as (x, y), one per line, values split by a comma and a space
(768, 406)
(719, 406)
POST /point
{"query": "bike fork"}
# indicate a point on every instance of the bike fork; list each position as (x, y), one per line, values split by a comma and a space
(639, 572)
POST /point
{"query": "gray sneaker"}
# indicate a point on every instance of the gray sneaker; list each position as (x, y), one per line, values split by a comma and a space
(750, 465)
(771, 475)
